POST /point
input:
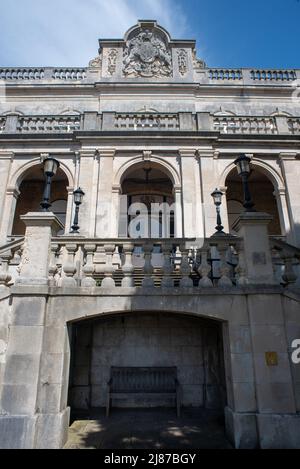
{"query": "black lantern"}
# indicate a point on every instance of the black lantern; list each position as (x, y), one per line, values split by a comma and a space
(50, 169)
(78, 197)
(243, 168)
(217, 196)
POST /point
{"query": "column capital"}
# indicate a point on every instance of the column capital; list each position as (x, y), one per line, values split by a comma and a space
(185, 152)
(86, 153)
(7, 155)
(207, 153)
(107, 152)
(116, 189)
(13, 191)
(288, 156)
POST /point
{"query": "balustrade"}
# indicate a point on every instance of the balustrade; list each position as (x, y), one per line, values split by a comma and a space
(15, 74)
(245, 125)
(147, 121)
(225, 74)
(48, 124)
(273, 75)
(294, 125)
(220, 263)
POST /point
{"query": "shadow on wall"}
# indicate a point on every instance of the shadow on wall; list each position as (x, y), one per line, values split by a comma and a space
(150, 429)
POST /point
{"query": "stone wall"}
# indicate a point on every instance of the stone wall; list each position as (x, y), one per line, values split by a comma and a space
(193, 345)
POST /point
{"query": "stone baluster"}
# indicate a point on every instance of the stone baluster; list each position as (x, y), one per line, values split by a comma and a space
(148, 281)
(185, 269)
(225, 280)
(204, 270)
(167, 280)
(69, 266)
(89, 268)
(116, 260)
(108, 281)
(53, 265)
(289, 276)
(128, 268)
(5, 277)
(241, 269)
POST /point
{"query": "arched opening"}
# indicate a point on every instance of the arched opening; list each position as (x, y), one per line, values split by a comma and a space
(147, 208)
(262, 191)
(192, 345)
(31, 193)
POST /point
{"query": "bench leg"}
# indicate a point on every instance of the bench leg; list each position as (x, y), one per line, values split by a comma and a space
(108, 405)
(178, 402)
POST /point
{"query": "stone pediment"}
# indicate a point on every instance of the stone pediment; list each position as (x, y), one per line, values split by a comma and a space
(147, 52)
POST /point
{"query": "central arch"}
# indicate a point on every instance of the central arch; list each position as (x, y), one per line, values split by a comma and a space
(147, 208)
(192, 344)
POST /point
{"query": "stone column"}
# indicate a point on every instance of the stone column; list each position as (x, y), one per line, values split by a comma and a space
(188, 169)
(70, 212)
(8, 213)
(253, 228)
(40, 227)
(178, 213)
(6, 159)
(209, 182)
(21, 423)
(86, 182)
(291, 174)
(282, 206)
(106, 211)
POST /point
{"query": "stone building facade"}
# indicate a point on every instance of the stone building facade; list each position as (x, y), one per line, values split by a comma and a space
(148, 125)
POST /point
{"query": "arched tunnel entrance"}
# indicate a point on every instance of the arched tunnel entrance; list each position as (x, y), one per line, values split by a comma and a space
(192, 345)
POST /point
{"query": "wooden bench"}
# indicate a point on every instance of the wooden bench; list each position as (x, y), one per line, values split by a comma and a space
(143, 383)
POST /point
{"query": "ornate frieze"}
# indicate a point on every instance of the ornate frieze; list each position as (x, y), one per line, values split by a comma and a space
(182, 61)
(112, 61)
(147, 55)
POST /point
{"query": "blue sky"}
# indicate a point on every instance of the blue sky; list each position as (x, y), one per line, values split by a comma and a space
(229, 33)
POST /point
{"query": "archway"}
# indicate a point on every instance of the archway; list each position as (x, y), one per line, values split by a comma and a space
(31, 192)
(263, 194)
(145, 339)
(147, 207)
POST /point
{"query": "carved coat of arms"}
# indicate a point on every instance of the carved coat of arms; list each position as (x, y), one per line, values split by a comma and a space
(146, 55)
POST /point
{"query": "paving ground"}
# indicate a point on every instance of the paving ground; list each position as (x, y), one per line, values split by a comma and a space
(149, 429)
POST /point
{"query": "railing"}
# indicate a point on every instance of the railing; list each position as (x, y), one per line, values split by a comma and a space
(155, 263)
(16, 74)
(2, 124)
(147, 121)
(10, 260)
(294, 125)
(286, 262)
(46, 73)
(69, 74)
(211, 75)
(245, 125)
(110, 121)
(273, 75)
(160, 263)
(225, 74)
(48, 124)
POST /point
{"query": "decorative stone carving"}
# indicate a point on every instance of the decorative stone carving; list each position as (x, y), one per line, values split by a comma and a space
(112, 61)
(96, 62)
(198, 63)
(182, 61)
(147, 55)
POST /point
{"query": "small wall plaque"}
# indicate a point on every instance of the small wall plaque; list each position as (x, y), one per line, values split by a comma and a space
(272, 358)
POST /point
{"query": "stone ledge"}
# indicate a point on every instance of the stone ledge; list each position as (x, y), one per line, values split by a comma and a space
(22, 290)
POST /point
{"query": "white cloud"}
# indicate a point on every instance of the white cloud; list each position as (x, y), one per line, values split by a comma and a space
(65, 32)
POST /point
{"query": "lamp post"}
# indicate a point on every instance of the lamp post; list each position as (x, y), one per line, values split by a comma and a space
(217, 196)
(78, 196)
(243, 167)
(50, 168)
